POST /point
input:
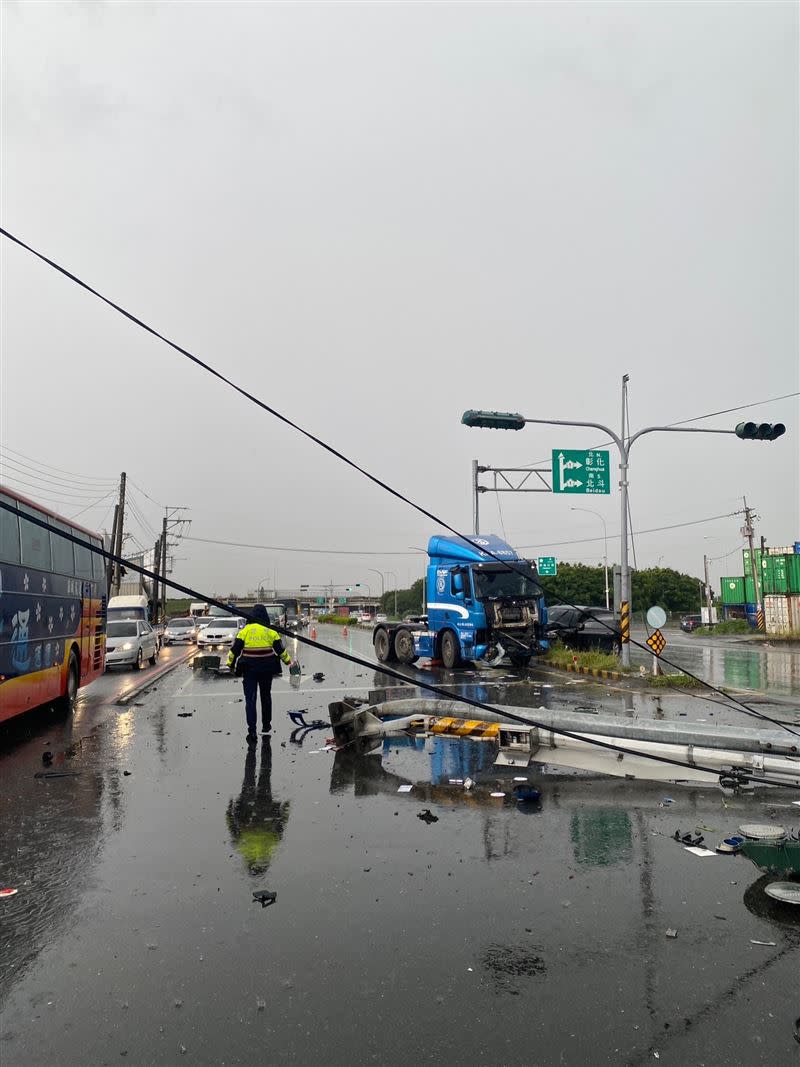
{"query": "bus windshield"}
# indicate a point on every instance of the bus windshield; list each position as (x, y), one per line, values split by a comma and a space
(497, 581)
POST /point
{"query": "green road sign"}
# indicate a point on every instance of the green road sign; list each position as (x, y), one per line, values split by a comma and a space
(320, 599)
(580, 472)
(547, 566)
(342, 599)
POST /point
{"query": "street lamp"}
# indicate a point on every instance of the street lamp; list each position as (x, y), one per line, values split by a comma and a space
(383, 583)
(506, 420)
(395, 591)
(605, 545)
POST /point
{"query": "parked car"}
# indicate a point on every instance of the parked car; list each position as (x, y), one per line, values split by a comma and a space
(581, 627)
(129, 642)
(219, 633)
(180, 630)
(691, 622)
(364, 616)
(381, 618)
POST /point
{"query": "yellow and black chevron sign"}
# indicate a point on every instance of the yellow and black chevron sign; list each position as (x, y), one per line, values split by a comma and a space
(657, 642)
(463, 727)
(625, 621)
(760, 620)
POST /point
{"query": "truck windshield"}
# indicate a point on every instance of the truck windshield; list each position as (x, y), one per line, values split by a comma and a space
(497, 581)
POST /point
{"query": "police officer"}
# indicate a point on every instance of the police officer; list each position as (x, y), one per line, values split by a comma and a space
(256, 654)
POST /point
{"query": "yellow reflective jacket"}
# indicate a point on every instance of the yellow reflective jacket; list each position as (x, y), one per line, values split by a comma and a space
(257, 645)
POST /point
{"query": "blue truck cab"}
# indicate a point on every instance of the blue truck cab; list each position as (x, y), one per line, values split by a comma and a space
(477, 607)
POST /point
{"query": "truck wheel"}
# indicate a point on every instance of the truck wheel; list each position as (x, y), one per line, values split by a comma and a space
(66, 702)
(404, 647)
(451, 651)
(384, 646)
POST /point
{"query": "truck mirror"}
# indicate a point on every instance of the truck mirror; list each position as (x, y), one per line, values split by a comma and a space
(458, 582)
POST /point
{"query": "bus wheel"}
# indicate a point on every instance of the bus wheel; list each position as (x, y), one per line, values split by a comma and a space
(451, 652)
(404, 646)
(66, 702)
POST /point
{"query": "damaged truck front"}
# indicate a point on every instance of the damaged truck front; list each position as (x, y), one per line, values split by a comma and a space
(478, 608)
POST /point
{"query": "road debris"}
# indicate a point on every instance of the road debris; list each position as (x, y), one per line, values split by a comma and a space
(56, 774)
(766, 944)
(671, 934)
(8, 892)
(264, 897)
(185, 714)
(427, 816)
(404, 788)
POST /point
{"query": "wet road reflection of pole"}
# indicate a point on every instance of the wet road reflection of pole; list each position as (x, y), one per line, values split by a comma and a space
(256, 821)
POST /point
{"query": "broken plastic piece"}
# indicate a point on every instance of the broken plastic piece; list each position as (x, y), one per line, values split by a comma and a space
(8, 892)
(427, 816)
(497, 794)
(404, 788)
(264, 897)
(671, 934)
(185, 714)
(319, 677)
(696, 851)
(766, 944)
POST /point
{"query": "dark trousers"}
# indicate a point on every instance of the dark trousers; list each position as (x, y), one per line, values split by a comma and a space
(254, 682)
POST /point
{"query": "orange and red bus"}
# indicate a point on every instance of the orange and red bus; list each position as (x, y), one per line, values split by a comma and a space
(52, 608)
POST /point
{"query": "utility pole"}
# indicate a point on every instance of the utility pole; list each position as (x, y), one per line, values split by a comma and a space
(708, 591)
(163, 568)
(113, 547)
(475, 509)
(118, 542)
(749, 533)
(156, 572)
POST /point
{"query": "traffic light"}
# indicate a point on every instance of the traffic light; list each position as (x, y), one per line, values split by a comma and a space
(763, 431)
(494, 420)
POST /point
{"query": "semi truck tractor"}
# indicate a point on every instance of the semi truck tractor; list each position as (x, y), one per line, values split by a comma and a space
(477, 607)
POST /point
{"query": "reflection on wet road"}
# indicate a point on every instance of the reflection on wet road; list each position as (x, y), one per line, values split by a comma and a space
(502, 933)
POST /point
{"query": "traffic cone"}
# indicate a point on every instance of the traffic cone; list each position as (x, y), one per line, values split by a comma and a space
(312, 633)
(344, 631)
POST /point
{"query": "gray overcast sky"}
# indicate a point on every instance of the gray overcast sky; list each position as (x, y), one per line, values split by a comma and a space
(375, 217)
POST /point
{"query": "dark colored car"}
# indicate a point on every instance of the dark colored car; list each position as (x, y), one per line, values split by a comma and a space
(691, 622)
(582, 627)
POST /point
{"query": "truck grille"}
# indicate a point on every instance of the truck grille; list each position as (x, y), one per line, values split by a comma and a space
(511, 614)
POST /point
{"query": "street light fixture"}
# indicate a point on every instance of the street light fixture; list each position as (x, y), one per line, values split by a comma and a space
(605, 546)
(504, 420)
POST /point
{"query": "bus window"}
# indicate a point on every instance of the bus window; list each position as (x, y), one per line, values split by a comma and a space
(9, 534)
(35, 542)
(98, 561)
(63, 562)
(83, 562)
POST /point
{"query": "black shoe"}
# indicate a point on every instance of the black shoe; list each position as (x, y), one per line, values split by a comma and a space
(252, 738)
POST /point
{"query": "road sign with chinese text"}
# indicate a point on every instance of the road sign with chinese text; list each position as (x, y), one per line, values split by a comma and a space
(580, 471)
(547, 566)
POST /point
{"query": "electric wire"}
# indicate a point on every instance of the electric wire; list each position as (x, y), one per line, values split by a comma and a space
(111, 492)
(10, 470)
(58, 470)
(683, 422)
(63, 500)
(309, 435)
(637, 533)
(302, 551)
(391, 672)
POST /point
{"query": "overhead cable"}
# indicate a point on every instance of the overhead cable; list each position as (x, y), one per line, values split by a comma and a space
(330, 448)
(392, 673)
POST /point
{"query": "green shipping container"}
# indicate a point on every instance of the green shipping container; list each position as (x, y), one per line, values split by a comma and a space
(793, 573)
(732, 590)
(773, 573)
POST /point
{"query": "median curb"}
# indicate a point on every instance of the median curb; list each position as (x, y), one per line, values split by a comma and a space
(593, 672)
(151, 679)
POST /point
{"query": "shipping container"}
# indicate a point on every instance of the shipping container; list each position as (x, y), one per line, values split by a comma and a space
(732, 590)
(797, 547)
(773, 575)
(749, 589)
(782, 614)
(793, 574)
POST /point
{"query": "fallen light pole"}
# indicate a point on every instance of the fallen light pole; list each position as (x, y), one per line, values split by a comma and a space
(709, 753)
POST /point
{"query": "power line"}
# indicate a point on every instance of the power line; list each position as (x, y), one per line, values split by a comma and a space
(65, 499)
(23, 476)
(385, 668)
(683, 422)
(638, 533)
(111, 492)
(302, 551)
(324, 444)
(59, 470)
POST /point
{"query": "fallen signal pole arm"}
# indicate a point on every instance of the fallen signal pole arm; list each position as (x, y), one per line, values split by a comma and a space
(339, 653)
(363, 728)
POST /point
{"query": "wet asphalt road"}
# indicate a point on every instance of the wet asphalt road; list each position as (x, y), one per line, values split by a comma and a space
(497, 934)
